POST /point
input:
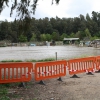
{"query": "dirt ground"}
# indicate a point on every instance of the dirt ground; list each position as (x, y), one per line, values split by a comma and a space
(87, 87)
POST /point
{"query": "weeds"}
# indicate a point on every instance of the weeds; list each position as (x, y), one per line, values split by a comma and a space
(34, 99)
(47, 59)
(16, 96)
(4, 98)
(4, 95)
(11, 61)
(4, 92)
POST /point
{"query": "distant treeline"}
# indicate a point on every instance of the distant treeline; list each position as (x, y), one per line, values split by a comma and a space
(47, 29)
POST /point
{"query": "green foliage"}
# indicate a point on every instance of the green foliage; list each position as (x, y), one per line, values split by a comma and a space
(88, 34)
(23, 7)
(42, 60)
(55, 36)
(17, 60)
(97, 34)
(93, 38)
(7, 61)
(48, 37)
(22, 38)
(16, 96)
(48, 59)
(5, 85)
(64, 35)
(33, 60)
(80, 35)
(33, 38)
(11, 61)
(72, 35)
(4, 98)
(43, 37)
(51, 29)
(4, 92)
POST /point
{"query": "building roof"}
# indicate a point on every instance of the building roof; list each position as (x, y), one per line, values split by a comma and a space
(71, 39)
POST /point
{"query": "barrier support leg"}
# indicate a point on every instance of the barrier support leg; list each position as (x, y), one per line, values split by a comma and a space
(74, 76)
(97, 71)
(59, 79)
(22, 84)
(90, 73)
(41, 82)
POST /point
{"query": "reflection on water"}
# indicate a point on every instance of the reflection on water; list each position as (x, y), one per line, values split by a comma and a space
(43, 52)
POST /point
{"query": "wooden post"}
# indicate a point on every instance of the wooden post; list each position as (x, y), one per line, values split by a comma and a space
(56, 55)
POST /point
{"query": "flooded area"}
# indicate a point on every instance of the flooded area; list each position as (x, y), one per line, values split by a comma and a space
(44, 52)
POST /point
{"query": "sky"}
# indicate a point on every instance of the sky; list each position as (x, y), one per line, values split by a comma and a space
(65, 9)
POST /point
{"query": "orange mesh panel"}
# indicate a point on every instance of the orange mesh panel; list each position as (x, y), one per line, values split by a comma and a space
(46, 70)
(81, 65)
(15, 72)
(98, 63)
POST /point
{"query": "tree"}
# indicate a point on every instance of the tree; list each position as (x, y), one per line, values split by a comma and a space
(80, 35)
(23, 7)
(48, 37)
(69, 26)
(33, 38)
(48, 29)
(55, 36)
(88, 34)
(82, 23)
(94, 16)
(64, 35)
(38, 35)
(22, 38)
(5, 30)
(76, 24)
(43, 37)
(72, 35)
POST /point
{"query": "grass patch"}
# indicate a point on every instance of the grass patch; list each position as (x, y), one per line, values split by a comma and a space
(18, 61)
(34, 99)
(7, 61)
(11, 61)
(48, 59)
(31, 60)
(4, 92)
(16, 96)
(42, 60)
(4, 98)
(5, 85)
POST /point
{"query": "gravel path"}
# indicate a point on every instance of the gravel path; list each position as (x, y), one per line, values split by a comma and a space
(84, 88)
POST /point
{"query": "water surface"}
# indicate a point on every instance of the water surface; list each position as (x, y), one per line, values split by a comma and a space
(43, 52)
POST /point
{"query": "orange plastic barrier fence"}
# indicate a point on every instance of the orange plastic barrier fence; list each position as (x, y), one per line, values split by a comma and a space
(98, 63)
(33, 68)
(15, 72)
(46, 70)
(81, 65)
